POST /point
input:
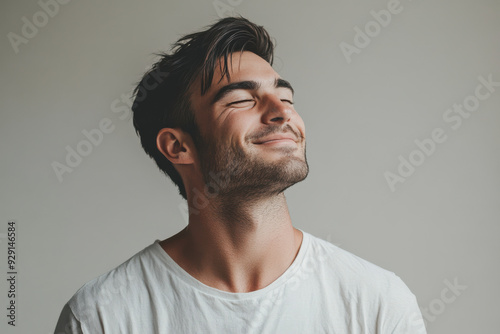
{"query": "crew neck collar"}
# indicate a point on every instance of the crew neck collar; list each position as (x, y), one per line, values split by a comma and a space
(195, 283)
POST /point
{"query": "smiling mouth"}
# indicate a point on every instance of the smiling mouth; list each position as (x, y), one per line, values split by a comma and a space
(277, 141)
(277, 138)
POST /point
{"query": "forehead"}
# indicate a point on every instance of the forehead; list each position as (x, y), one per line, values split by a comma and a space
(245, 65)
(241, 66)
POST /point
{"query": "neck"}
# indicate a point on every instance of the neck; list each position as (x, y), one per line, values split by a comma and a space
(237, 244)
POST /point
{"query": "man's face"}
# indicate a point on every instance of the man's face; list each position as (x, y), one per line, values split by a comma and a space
(252, 139)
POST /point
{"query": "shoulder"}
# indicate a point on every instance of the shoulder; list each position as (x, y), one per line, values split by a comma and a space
(368, 287)
(358, 278)
(343, 260)
(111, 290)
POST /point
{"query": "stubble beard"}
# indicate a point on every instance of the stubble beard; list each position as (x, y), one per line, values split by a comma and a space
(231, 174)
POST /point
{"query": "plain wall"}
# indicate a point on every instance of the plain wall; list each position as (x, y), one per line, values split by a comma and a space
(363, 114)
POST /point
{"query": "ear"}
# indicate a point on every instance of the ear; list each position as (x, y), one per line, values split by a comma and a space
(176, 145)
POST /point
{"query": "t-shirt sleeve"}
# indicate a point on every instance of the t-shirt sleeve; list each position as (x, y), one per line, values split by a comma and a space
(411, 321)
(68, 323)
(403, 315)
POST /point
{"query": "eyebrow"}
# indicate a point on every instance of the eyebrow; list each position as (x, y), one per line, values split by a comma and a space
(248, 85)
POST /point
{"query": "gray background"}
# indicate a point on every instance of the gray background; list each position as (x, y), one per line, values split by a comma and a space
(440, 224)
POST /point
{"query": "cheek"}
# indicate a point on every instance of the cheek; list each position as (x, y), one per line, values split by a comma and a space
(299, 123)
(236, 128)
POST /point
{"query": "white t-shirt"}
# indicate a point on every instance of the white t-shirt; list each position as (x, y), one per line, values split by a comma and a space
(325, 290)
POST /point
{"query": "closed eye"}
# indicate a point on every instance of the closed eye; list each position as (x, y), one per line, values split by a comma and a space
(240, 101)
(248, 100)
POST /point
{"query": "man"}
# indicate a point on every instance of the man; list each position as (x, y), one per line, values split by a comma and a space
(220, 122)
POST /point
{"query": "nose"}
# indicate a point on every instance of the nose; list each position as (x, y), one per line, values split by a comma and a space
(276, 111)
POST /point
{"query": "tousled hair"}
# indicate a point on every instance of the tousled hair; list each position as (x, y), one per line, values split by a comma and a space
(161, 98)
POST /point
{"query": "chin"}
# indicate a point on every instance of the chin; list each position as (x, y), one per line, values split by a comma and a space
(286, 172)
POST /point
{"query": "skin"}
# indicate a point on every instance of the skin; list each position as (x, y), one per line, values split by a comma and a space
(240, 236)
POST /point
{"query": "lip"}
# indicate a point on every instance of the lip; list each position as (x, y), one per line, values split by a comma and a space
(281, 138)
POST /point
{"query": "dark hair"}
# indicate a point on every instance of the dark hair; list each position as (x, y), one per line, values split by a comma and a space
(161, 99)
